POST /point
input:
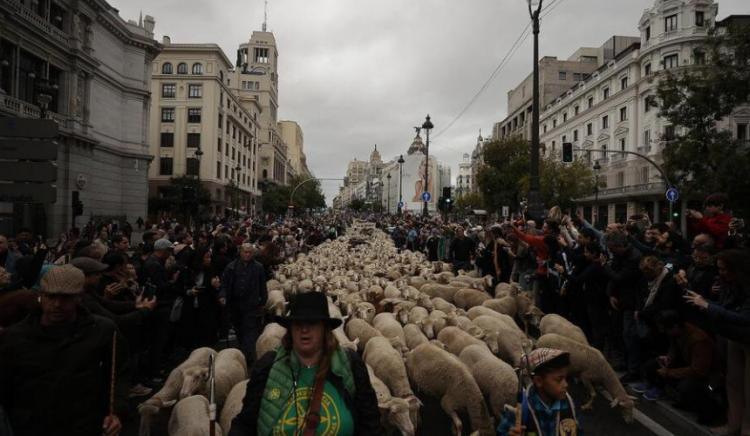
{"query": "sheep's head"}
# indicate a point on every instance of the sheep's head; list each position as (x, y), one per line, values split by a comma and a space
(398, 344)
(427, 327)
(491, 339)
(396, 411)
(533, 316)
(193, 380)
(627, 404)
(365, 311)
(487, 281)
(414, 405)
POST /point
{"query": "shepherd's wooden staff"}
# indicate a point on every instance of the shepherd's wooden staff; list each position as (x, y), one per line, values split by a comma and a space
(112, 375)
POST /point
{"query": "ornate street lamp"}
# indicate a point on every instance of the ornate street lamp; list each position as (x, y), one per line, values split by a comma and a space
(400, 180)
(427, 126)
(534, 197)
(388, 204)
(597, 168)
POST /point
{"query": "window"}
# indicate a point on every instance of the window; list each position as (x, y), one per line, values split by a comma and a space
(192, 166)
(544, 128)
(647, 103)
(265, 174)
(577, 77)
(589, 129)
(622, 144)
(699, 57)
(218, 145)
(182, 68)
(605, 122)
(234, 151)
(167, 115)
(194, 115)
(590, 102)
(605, 93)
(742, 133)
(644, 175)
(168, 90)
(623, 113)
(646, 138)
(700, 18)
(562, 75)
(197, 68)
(194, 140)
(620, 179)
(575, 135)
(167, 139)
(669, 133)
(670, 23)
(226, 149)
(261, 55)
(564, 139)
(166, 68)
(671, 61)
(195, 91)
(647, 69)
(165, 166)
(623, 83)
(554, 123)
(565, 117)
(218, 171)
(576, 109)
(648, 33)
(221, 120)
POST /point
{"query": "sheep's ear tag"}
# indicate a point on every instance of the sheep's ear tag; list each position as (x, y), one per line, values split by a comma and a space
(274, 394)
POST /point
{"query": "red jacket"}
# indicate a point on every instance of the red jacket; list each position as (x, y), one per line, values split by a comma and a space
(716, 226)
(540, 248)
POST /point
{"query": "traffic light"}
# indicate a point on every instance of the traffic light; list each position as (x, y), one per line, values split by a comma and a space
(446, 192)
(567, 152)
(77, 204)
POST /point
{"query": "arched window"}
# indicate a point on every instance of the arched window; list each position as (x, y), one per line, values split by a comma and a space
(166, 68)
(197, 68)
(182, 68)
(265, 174)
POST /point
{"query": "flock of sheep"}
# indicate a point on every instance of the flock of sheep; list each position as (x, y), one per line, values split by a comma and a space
(420, 329)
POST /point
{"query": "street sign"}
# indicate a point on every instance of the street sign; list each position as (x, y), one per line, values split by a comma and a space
(426, 197)
(27, 193)
(27, 128)
(672, 195)
(401, 204)
(28, 149)
(28, 171)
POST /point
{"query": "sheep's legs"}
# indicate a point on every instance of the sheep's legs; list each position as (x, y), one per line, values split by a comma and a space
(592, 394)
(448, 407)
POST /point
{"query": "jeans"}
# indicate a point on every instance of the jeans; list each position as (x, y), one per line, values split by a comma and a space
(632, 341)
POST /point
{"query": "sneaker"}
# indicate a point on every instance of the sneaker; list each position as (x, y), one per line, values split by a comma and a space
(639, 388)
(653, 394)
(630, 377)
(139, 391)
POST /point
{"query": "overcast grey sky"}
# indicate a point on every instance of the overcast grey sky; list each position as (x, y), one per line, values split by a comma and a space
(356, 73)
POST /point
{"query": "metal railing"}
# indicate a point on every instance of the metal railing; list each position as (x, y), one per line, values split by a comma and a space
(32, 17)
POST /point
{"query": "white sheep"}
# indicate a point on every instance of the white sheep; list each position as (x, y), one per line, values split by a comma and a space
(456, 340)
(276, 302)
(388, 365)
(394, 412)
(190, 418)
(270, 339)
(230, 368)
(496, 379)
(364, 310)
(478, 311)
(388, 326)
(510, 341)
(440, 374)
(553, 323)
(466, 298)
(414, 336)
(589, 365)
(446, 292)
(232, 405)
(169, 393)
(359, 329)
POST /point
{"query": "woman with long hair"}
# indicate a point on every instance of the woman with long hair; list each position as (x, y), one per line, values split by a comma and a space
(309, 385)
(199, 323)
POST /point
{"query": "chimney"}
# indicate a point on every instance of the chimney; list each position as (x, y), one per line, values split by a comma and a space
(166, 40)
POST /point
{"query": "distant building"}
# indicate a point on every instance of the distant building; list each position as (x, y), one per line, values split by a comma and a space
(291, 135)
(464, 181)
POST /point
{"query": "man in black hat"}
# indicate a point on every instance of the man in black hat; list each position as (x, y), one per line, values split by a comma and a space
(310, 384)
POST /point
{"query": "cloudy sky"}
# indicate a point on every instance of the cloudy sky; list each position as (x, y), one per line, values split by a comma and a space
(356, 73)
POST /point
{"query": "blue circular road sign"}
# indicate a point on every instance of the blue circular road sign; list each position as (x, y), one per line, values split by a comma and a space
(426, 197)
(672, 195)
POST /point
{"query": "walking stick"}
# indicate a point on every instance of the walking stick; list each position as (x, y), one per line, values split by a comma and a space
(211, 396)
(112, 375)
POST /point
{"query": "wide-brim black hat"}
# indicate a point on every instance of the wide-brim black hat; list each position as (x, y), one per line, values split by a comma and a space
(310, 306)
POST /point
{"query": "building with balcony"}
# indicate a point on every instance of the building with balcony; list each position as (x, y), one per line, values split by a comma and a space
(200, 127)
(464, 180)
(608, 113)
(94, 68)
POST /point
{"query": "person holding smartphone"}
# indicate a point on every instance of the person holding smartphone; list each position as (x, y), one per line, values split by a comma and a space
(200, 321)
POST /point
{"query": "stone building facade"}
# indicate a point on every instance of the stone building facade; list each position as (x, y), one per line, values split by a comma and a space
(96, 68)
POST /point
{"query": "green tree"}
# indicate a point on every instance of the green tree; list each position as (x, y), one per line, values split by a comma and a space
(308, 195)
(702, 158)
(471, 200)
(357, 204)
(504, 179)
(275, 198)
(185, 197)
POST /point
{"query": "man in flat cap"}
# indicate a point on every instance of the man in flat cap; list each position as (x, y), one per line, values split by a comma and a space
(56, 365)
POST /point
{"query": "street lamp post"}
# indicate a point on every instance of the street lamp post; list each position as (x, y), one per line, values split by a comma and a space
(198, 155)
(400, 180)
(597, 167)
(534, 197)
(238, 168)
(427, 126)
(388, 204)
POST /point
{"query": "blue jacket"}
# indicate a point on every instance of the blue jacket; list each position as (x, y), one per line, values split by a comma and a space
(545, 415)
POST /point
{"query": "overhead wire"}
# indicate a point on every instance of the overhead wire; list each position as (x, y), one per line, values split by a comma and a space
(508, 56)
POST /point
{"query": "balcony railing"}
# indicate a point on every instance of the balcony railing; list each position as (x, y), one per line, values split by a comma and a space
(23, 109)
(32, 17)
